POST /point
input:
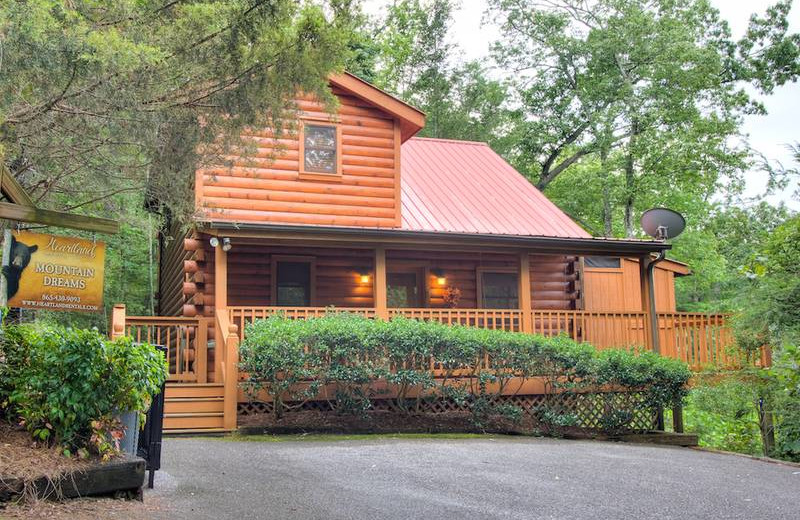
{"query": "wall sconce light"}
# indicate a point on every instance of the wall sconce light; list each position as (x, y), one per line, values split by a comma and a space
(363, 274)
(226, 244)
(440, 277)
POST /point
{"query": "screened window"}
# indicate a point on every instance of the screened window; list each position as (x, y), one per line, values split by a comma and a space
(293, 284)
(499, 290)
(403, 290)
(608, 262)
(319, 149)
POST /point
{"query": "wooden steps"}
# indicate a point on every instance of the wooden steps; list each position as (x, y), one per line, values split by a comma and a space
(194, 408)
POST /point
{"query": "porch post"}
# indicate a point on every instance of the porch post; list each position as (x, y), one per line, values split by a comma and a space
(117, 329)
(220, 304)
(379, 286)
(525, 291)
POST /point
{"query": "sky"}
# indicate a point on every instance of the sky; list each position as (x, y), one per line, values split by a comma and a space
(768, 134)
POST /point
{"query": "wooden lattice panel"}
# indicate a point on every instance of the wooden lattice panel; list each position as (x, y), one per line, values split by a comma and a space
(594, 411)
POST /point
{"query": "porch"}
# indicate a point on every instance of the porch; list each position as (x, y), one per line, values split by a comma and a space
(538, 287)
(203, 392)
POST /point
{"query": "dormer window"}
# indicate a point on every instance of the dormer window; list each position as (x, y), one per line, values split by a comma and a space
(320, 150)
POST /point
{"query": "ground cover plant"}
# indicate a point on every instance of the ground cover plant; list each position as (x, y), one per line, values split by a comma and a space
(66, 386)
(294, 361)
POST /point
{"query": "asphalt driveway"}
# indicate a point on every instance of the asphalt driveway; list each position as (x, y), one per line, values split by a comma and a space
(486, 478)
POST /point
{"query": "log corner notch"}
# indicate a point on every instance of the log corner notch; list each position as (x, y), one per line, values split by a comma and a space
(23, 209)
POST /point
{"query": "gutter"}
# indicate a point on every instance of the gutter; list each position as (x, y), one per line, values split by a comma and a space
(580, 246)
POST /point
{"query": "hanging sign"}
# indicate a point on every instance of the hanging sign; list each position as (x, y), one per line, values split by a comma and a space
(55, 272)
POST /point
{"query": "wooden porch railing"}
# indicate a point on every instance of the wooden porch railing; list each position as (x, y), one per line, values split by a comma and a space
(186, 341)
(241, 316)
(697, 339)
(495, 319)
(228, 367)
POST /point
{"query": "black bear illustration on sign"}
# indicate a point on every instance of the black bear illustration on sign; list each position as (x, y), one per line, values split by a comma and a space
(19, 259)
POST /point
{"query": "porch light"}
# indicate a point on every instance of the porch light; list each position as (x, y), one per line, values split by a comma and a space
(226, 244)
(439, 274)
(363, 274)
(214, 241)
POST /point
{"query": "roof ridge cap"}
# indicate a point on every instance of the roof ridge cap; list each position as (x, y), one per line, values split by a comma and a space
(455, 141)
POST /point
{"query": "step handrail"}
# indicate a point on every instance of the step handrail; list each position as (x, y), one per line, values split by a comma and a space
(228, 351)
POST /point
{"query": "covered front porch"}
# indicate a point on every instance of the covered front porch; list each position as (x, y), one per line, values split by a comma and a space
(534, 286)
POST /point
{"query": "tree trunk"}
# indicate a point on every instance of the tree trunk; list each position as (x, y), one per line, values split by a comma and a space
(607, 222)
(630, 179)
(766, 424)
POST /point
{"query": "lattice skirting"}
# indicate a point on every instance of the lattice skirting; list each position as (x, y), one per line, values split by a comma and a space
(583, 410)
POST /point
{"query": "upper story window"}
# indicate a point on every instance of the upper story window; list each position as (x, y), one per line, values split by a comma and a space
(604, 262)
(320, 145)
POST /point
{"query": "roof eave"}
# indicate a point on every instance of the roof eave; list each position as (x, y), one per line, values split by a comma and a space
(412, 120)
(565, 245)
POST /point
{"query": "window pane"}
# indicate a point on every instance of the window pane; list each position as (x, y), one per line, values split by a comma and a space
(320, 136)
(612, 262)
(500, 290)
(319, 148)
(402, 290)
(293, 284)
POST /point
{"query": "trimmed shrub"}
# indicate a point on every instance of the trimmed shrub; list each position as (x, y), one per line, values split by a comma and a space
(66, 385)
(350, 352)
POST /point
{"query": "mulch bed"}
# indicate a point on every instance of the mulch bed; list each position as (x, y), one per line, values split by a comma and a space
(82, 509)
(22, 457)
(378, 421)
(381, 421)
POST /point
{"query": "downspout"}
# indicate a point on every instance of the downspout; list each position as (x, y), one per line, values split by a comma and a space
(651, 265)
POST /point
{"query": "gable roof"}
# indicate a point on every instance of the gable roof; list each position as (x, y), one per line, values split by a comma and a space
(465, 187)
(412, 120)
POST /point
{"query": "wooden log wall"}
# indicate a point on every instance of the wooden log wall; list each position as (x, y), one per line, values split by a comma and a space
(198, 277)
(554, 282)
(171, 269)
(552, 277)
(459, 269)
(338, 280)
(264, 184)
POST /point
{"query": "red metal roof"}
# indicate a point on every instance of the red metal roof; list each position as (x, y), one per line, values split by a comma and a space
(465, 187)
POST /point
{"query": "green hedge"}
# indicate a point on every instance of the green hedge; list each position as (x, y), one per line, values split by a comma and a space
(66, 385)
(349, 351)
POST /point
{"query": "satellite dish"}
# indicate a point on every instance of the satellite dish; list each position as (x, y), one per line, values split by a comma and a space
(663, 223)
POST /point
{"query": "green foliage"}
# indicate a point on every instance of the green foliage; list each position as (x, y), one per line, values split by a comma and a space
(785, 375)
(649, 93)
(67, 384)
(724, 414)
(294, 359)
(726, 409)
(412, 58)
(104, 98)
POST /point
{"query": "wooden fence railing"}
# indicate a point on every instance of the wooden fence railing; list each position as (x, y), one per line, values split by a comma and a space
(186, 341)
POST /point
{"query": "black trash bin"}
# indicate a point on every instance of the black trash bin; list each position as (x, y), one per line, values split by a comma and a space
(149, 447)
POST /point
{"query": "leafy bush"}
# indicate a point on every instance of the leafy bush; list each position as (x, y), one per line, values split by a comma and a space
(293, 360)
(66, 385)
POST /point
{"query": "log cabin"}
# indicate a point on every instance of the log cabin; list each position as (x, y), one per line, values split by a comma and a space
(355, 212)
